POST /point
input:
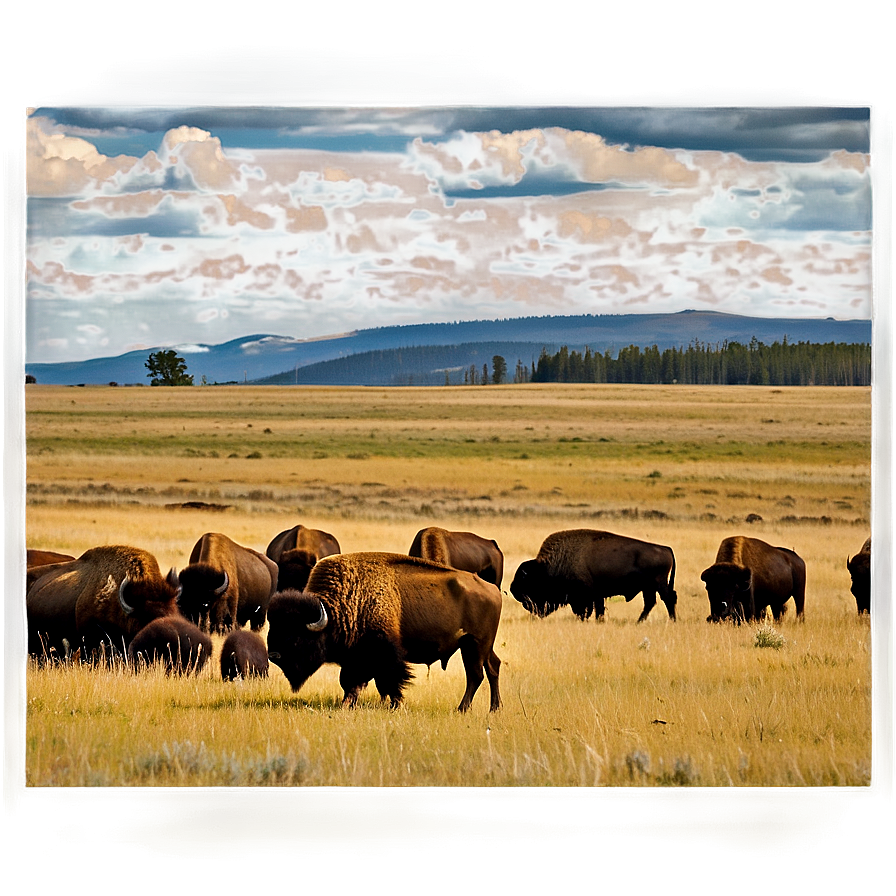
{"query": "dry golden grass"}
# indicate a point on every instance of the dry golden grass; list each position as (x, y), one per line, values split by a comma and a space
(584, 704)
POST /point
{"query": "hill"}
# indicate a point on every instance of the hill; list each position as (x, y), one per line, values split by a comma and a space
(262, 357)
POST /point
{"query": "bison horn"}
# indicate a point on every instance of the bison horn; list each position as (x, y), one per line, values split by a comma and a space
(174, 581)
(224, 587)
(321, 623)
(128, 609)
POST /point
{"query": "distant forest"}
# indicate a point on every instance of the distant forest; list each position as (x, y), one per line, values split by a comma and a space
(730, 363)
(727, 363)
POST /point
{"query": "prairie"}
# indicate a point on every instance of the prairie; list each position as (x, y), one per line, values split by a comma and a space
(618, 703)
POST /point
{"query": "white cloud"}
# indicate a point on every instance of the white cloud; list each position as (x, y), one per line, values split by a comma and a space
(59, 165)
(199, 155)
(476, 160)
(185, 134)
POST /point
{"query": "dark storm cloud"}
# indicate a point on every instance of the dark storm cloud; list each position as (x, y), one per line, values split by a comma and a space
(801, 134)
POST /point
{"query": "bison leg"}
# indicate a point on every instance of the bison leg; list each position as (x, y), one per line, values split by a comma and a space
(473, 663)
(492, 667)
(353, 680)
(670, 604)
(649, 603)
(390, 680)
(799, 592)
(476, 658)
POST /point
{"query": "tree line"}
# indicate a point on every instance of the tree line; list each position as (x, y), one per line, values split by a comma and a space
(729, 363)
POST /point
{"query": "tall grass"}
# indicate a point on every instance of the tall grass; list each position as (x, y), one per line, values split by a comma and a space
(620, 704)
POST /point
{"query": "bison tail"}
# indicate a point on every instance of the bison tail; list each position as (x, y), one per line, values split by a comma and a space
(672, 575)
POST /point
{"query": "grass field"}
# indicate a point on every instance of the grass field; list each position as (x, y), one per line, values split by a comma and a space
(618, 703)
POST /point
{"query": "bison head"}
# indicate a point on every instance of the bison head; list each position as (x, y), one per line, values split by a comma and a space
(294, 568)
(143, 600)
(860, 571)
(297, 635)
(730, 591)
(200, 588)
(536, 589)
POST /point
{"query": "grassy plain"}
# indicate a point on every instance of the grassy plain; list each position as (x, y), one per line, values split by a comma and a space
(584, 703)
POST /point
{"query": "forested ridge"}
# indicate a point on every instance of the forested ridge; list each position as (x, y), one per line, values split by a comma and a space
(729, 363)
(781, 363)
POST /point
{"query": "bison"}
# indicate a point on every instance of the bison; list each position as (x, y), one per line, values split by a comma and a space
(375, 613)
(583, 567)
(39, 563)
(859, 568)
(295, 552)
(103, 598)
(750, 575)
(45, 558)
(460, 550)
(226, 585)
(176, 643)
(244, 655)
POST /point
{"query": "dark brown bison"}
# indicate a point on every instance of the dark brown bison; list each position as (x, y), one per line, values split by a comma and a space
(103, 598)
(860, 571)
(583, 567)
(375, 613)
(460, 550)
(244, 655)
(295, 552)
(172, 641)
(226, 585)
(750, 575)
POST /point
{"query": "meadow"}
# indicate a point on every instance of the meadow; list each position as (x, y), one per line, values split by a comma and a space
(617, 703)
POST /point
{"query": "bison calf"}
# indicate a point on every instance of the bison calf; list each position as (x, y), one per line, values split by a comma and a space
(375, 613)
(244, 655)
(181, 647)
(750, 575)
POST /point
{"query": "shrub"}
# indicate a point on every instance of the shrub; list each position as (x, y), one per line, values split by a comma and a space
(767, 636)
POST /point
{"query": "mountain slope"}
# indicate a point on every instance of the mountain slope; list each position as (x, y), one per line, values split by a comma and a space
(261, 356)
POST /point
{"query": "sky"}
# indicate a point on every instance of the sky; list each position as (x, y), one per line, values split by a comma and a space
(160, 226)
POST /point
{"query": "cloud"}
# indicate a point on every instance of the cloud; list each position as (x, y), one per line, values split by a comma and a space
(473, 161)
(60, 165)
(199, 241)
(200, 155)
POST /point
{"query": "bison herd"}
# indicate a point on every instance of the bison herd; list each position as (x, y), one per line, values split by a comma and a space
(373, 613)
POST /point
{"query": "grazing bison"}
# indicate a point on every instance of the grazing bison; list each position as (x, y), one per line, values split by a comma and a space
(295, 552)
(226, 585)
(583, 567)
(860, 571)
(244, 655)
(750, 575)
(104, 597)
(181, 647)
(374, 613)
(460, 550)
